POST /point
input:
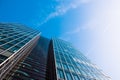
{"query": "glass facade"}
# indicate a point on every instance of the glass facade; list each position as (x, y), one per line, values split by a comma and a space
(73, 65)
(33, 67)
(16, 42)
(13, 37)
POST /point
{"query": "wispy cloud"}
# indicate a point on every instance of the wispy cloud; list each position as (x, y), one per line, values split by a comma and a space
(66, 35)
(90, 25)
(62, 8)
(74, 31)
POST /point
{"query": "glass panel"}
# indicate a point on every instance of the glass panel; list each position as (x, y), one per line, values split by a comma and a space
(57, 57)
(2, 58)
(62, 58)
(20, 44)
(14, 49)
(68, 60)
(1, 37)
(65, 66)
(14, 42)
(77, 70)
(21, 72)
(9, 39)
(71, 68)
(25, 41)
(26, 64)
(2, 42)
(20, 39)
(6, 46)
(68, 75)
(75, 77)
(14, 37)
(59, 65)
(60, 74)
(83, 73)
(81, 78)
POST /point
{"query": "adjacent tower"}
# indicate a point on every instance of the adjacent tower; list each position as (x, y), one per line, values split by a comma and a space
(16, 42)
(71, 64)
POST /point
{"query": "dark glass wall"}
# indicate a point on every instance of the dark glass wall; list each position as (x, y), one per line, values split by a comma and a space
(51, 69)
(33, 67)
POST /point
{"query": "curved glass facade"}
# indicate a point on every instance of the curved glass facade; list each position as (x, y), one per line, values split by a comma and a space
(13, 37)
(16, 41)
(71, 64)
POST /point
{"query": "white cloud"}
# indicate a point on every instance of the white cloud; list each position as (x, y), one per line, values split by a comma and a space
(90, 25)
(63, 7)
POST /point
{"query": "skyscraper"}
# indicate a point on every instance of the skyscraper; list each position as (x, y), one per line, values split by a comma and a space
(33, 66)
(25, 55)
(16, 41)
(71, 64)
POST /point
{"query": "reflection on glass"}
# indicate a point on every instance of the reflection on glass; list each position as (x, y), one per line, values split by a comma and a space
(60, 74)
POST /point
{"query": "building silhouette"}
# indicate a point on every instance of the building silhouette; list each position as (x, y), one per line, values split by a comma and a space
(26, 55)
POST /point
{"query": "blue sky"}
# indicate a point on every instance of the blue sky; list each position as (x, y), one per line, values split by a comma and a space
(91, 25)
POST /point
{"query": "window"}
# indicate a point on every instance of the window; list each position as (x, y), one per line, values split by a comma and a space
(14, 37)
(2, 42)
(75, 77)
(57, 56)
(59, 64)
(21, 44)
(26, 64)
(65, 66)
(8, 39)
(25, 41)
(21, 72)
(56, 52)
(6, 46)
(60, 74)
(68, 60)
(20, 39)
(14, 42)
(83, 73)
(71, 68)
(68, 75)
(2, 58)
(1, 37)
(36, 70)
(81, 78)
(11, 34)
(14, 49)
(77, 70)
(78, 64)
(62, 58)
